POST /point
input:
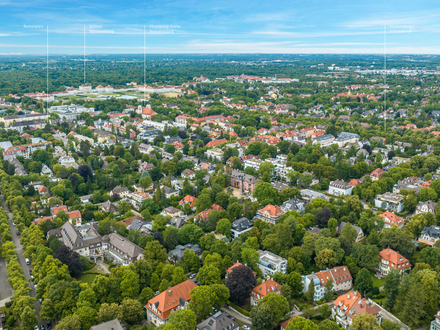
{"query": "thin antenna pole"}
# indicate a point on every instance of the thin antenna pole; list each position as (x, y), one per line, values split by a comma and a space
(47, 69)
(385, 77)
(84, 54)
(145, 100)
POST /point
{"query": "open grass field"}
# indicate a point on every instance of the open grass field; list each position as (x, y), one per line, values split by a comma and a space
(175, 95)
(87, 278)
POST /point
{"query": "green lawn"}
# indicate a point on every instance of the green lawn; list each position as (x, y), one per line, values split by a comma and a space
(87, 278)
(376, 281)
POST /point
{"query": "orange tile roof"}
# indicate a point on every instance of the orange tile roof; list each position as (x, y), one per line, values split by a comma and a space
(273, 210)
(148, 112)
(57, 209)
(216, 142)
(217, 207)
(74, 214)
(352, 304)
(170, 299)
(377, 172)
(392, 218)
(354, 182)
(188, 199)
(265, 288)
(397, 261)
(285, 323)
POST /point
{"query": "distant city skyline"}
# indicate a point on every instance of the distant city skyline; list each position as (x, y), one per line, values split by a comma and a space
(315, 26)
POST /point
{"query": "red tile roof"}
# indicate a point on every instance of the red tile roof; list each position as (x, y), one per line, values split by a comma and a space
(392, 218)
(169, 299)
(397, 261)
(265, 288)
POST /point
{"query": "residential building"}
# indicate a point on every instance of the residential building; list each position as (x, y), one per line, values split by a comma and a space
(270, 263)
(214, 154)
(390, 219)
(8, 120)
(392, 259)
(169, 191)
(160, 307)
(430, 235)
(340, 277)
(340, 188)
(138, 198)
(243, 181)
(359, 231)
(294, 204)
(348, 305)
(426, 207)
(435, 324)
(122, 192)
(218, 321)
(269, 213)
(345, 137)
(283, 326)
(171, 211)
(188, 174)
(308, 195)
(177, 253)
(109, 325)
(240, 226)
(323, 140)
(263, 290)
(87, 242)
(188, 199)
(375, 175)
(109, 207)
(389, 201)
(412, 183)
(68, 161)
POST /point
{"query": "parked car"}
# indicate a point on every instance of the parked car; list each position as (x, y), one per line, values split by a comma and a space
(49, 325)
(18, 233)
(42, 327)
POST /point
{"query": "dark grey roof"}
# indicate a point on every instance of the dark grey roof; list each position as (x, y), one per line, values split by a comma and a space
(433, 231)
(218, 321)
(113, 324)
(242, 224)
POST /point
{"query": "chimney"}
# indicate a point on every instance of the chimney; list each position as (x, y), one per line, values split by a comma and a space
(170, 292)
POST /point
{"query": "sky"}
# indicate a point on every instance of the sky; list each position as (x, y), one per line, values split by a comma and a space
(223, 26)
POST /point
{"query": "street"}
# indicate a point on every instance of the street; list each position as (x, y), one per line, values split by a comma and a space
(22, 262)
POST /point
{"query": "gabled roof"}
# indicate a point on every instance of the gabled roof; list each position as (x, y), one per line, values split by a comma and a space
(169, 299)
(392, 218)
(397, 261)
(273, 210)
(265, 288)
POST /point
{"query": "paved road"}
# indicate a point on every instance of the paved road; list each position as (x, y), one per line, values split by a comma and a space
(5, 289)
(22, 260)
(236, 315)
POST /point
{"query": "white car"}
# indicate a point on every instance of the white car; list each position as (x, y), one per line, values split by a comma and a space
(35, 286)
(245, 327)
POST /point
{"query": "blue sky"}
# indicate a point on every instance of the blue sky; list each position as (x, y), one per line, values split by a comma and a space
(240, 26)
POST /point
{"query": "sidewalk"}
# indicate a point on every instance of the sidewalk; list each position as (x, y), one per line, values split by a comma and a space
(4, 301)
